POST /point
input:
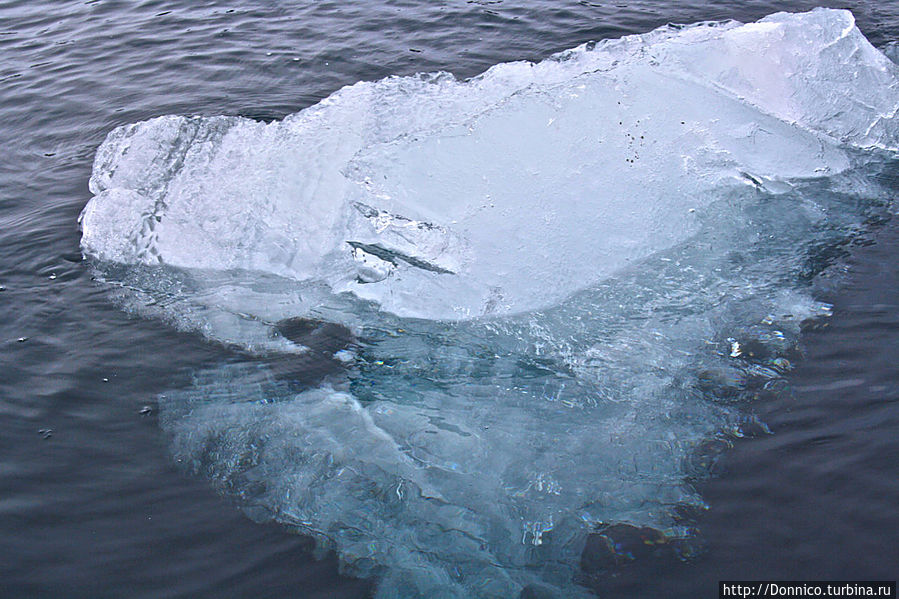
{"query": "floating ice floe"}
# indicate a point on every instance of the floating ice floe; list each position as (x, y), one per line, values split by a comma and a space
(561, 283)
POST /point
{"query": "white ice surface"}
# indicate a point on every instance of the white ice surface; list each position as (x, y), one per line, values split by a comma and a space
(505, 193)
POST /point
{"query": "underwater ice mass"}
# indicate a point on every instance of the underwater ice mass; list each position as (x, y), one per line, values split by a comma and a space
(562, 285)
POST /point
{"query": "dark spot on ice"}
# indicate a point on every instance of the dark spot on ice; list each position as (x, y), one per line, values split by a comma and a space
(754, 180)
(753, 349)
(395, 257)
(317, 335)
(321, 340)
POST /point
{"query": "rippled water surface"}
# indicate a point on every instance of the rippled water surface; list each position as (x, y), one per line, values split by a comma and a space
(92, 502)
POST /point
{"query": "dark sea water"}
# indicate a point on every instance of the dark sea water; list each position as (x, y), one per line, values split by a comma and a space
(91, 502)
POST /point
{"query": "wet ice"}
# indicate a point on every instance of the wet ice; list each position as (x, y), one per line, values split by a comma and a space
(550, 286)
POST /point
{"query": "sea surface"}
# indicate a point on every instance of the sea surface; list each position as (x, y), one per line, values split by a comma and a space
(92, 503)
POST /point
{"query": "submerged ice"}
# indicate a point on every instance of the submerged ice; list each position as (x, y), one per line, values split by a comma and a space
(556, 282)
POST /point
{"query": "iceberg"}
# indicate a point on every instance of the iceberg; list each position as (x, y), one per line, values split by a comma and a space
(531, 300)
(401, 191)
